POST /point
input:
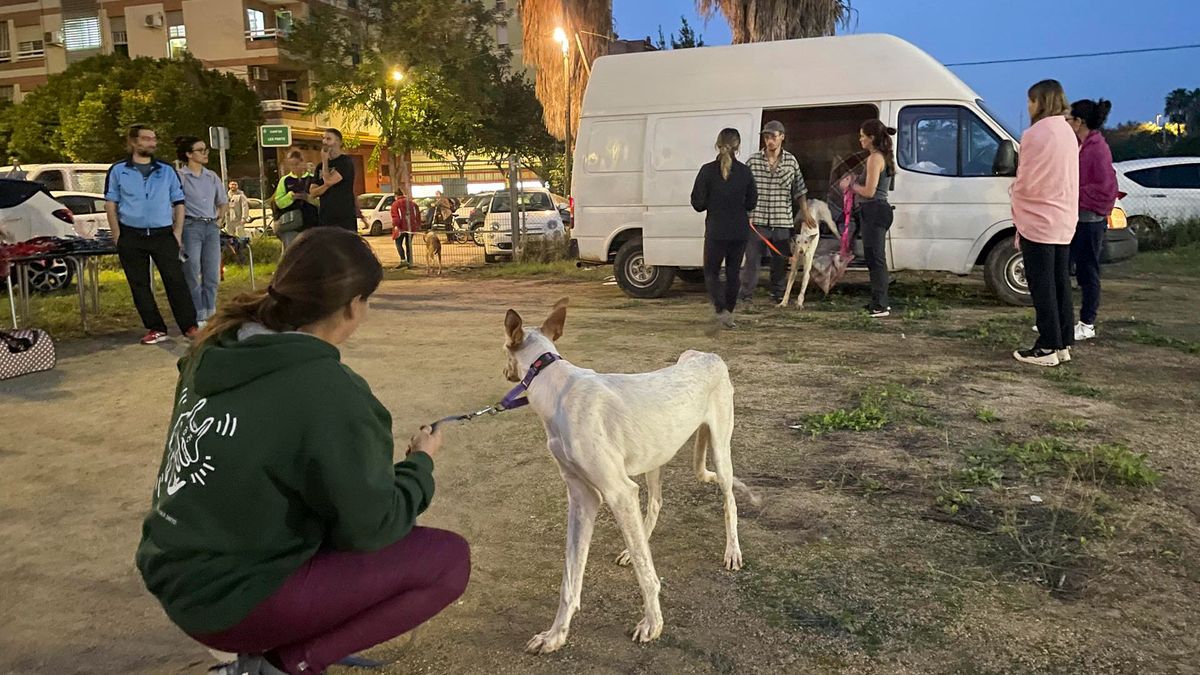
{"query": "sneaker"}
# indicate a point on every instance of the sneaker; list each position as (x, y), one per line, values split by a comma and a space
(1064, 355)
(881, 312)
(201, 324)
(1037, 357)
(726, 319)
(154, 337)
(1084, 331)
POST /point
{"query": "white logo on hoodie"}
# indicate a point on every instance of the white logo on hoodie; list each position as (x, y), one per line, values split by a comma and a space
(186, 462)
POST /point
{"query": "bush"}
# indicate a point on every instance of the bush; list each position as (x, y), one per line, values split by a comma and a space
(266, 249)
(545, 250)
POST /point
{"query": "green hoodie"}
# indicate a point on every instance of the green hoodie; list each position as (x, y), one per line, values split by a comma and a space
(276, 450)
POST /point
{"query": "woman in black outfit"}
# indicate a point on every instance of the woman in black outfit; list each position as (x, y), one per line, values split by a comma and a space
(725, 190)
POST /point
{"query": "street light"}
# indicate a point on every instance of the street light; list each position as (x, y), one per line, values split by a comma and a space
(560, 36)
(397, 76)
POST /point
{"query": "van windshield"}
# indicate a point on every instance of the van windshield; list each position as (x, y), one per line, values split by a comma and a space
(1016, 136)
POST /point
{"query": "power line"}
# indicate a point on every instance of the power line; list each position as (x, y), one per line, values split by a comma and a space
(1075, 56)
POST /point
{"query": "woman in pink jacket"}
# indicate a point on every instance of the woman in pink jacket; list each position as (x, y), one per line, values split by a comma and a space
(1097, 196)
(1045, 208)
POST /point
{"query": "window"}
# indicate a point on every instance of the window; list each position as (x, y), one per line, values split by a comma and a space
(502, 29)
(1145, 177)
(176, 42)
(8, 92)
(1180, 177)
(81, 34)
(257, 21)
(53, 180)
(946, 141)
(91, 181)
(30, 49)
(80, 206)
(387, 203)
(284, 22)
(5, 45)
(290, 90)
(368, 202)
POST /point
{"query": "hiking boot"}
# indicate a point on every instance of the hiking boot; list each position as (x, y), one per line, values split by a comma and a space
(154, 337)
(1084, 331)
(1037, 357)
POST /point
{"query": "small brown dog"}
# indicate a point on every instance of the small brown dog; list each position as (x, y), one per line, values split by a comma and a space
(433, 252)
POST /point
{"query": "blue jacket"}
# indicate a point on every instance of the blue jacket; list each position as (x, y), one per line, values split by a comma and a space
(145, 203)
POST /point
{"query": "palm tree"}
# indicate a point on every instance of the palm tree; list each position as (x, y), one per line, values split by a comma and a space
(1184, 106)
(766, 20)
(586, 22)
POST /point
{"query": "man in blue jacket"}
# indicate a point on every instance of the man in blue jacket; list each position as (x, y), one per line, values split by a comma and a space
(144, 203)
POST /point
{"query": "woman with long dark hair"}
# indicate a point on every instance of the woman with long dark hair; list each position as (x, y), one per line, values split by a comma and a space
(280, 528)
(1045, 208)
(1097, 196)
(875, 212)
(204, 204)
(725, 192)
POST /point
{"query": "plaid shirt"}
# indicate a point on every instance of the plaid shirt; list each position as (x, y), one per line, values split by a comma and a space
(778, 190)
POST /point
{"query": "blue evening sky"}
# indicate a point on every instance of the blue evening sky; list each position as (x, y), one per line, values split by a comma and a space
(979, 30)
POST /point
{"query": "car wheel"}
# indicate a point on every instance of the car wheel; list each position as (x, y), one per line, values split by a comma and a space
(691, 276)
(49, 276)
(477, 235)
(1147, 230)
(376, 228)
(635, 277)
(1004, 273)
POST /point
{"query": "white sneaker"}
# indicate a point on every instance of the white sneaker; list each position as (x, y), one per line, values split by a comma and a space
(1064, 355)
(1085, 331)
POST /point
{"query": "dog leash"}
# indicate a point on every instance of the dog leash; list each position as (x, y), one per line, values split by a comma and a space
(514, 399)
(766, 241)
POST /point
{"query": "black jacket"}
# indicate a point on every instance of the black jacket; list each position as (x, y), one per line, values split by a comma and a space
(727, 201)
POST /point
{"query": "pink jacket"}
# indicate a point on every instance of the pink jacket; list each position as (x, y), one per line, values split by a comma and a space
(1097, 177)
(1045, 195)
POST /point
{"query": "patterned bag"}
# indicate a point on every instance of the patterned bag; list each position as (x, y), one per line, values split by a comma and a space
(25, 351)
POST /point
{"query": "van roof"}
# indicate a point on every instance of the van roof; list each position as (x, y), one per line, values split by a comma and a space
(783, 73)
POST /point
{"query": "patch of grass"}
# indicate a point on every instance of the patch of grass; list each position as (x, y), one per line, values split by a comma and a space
(1182, 261)
(1155, 340)
(1004, 332)
(563, 269)
(877, 407)
(1071, 382)
(1068, 426)
(58, 313)
(987, 416)
(1113, 463)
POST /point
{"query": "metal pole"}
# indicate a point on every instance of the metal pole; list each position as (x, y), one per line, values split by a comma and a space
(514, 201)
(262, 181)
(567, 142)
(224, 169)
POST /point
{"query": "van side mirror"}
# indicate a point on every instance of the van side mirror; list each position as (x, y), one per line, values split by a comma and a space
(1006, 159)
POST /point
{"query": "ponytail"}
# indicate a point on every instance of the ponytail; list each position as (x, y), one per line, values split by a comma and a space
(728, 143)
(881, 139)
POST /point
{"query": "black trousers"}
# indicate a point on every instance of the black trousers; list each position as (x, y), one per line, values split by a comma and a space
(876, 219)
(1086, 249)
(136, 248)
(404, 247)
(1048, 272)
(729, 253)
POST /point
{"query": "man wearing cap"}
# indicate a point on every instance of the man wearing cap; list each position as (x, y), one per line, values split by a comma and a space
(780, 190)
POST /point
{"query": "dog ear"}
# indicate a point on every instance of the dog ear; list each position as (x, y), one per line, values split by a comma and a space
(553, 327)
(512, 328)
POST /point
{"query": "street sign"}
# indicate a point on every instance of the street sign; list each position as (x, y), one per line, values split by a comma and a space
(275, 136)
(218, 138)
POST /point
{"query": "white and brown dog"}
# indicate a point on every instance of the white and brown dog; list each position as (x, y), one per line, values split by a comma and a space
(804, 248)
(602, 429)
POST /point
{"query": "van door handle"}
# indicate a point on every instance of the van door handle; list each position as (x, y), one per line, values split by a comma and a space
(1159, 196)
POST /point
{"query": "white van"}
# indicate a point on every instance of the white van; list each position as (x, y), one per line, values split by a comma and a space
(649, 121)
(63, 177)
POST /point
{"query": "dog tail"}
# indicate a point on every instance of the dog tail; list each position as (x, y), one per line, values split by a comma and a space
(745, 491)
(700, 458)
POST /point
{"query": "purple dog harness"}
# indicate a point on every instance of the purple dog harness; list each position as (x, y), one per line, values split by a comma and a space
(514, 399)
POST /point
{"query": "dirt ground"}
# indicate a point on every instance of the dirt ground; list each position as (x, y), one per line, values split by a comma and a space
(874, 551)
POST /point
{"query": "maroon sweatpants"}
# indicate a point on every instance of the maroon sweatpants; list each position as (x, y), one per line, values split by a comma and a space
(339, 603)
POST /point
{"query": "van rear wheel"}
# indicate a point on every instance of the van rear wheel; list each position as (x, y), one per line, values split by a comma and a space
(635, 277)
(1004, 273)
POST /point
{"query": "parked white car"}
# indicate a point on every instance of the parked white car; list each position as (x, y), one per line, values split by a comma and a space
(1158, 193)
(87, 209)
(376, 209)
(537, 211)
(88, 178)
(649, 121)
(27, 211)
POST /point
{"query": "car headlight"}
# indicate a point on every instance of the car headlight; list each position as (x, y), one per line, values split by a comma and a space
(553, 225)
(495, 227)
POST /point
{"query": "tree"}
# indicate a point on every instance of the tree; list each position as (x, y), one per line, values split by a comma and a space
(1183, 107)
(589, 28)
(515, 128)
(80, 114)
(444, 52)
(6, 116)
(767, 20)
(686, 40)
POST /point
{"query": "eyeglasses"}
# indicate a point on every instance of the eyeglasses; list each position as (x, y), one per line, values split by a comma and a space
(201, 150)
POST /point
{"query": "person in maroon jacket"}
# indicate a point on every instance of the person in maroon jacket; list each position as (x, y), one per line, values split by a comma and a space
(1097, 196)
(406, 219)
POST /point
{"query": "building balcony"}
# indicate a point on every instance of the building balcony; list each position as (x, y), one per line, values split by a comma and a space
(31, 54)
(271, 34)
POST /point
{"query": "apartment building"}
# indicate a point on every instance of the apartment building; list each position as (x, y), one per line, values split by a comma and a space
(41, 37)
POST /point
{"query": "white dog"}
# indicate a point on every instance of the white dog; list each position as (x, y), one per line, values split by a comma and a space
(603, 429)
(804, 245)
